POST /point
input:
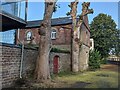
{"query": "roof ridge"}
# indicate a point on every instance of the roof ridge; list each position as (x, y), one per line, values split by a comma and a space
(51, 19)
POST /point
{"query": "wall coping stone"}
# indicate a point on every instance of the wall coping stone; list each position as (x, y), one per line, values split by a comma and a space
(15, 46)
(10, 45)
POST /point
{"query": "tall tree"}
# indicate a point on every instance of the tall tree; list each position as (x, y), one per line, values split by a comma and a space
(76, 24)
(117, 43)
(42, 72)
(103, 31)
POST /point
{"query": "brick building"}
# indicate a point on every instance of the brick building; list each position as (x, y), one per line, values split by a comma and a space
(60, 33)
(61, 36)
(17, 62)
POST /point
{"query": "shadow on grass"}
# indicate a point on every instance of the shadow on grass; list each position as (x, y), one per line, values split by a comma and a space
(79, 84)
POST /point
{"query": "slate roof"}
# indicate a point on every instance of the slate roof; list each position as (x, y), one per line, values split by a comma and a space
(55, 21)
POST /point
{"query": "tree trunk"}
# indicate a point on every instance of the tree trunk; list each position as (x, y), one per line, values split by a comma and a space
(75, 44)
(76, 24)
(83, 50)
(75, 52)
(42, 72)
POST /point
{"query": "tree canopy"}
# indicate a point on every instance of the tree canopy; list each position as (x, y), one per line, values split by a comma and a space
(103, 31)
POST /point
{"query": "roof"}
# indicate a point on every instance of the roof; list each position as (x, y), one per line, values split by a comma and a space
(10, 21)
(55, 21)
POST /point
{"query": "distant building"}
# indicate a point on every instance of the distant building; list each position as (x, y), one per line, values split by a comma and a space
(91, 44)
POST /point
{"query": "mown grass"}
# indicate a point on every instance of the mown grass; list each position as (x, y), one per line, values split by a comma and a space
(97, 79)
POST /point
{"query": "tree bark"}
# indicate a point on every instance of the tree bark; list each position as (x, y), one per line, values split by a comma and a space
(42, 72)
(83, 61)
(75, 45)
(76, 25)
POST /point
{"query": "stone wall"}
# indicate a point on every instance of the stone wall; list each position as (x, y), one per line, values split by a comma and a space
(64, 62)
(65, 47)
(29, 61)
(11, 60)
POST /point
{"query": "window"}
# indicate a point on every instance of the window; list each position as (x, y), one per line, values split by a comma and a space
(53, 34)
(61, 29)
(29, 35)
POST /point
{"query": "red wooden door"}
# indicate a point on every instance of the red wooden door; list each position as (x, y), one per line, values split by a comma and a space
(55, 65)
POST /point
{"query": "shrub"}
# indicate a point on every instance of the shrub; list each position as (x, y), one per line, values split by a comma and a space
(60, 50)
(94, 60)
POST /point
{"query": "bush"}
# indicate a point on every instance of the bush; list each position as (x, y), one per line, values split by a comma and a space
(94, 60)
(60, 50)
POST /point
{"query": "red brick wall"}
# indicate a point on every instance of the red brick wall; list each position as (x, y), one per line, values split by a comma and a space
(63, 36)
(85, 33)
(23, 32)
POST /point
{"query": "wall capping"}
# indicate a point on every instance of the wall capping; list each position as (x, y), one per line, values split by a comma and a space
(10, 45)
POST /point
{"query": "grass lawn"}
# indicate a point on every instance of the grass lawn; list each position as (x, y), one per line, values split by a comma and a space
(103, 78)
(106, 77)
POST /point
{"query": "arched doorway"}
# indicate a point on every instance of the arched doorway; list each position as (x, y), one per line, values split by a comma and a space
(55, 64)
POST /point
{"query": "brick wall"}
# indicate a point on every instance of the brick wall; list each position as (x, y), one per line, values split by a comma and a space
(10, 64)
(11, 57)
(63, 35)
(0, 68)
(23, 38)
(30, 57)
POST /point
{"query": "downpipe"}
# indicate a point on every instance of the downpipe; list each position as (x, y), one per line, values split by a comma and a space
(21, 63)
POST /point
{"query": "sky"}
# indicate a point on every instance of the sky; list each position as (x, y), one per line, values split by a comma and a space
(36, 12)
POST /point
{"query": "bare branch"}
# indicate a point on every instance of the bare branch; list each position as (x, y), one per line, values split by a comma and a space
(73, 7)
(85, 11)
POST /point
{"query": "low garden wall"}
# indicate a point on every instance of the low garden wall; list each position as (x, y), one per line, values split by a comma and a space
(10, 60)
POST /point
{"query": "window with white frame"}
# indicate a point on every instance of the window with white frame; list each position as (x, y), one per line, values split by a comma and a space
(53, 34)
(29, 35)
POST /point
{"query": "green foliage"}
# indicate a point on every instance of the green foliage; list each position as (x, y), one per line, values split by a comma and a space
(117, 43)
(31, 46)
(94, 60)
(103, 31)
(60, 50)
